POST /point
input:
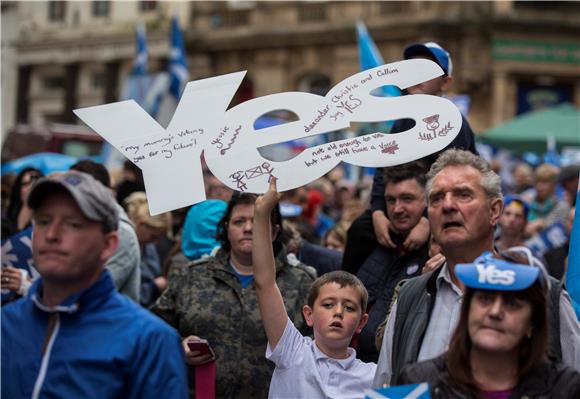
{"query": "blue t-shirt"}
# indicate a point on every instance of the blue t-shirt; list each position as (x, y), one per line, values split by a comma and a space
(245, 279)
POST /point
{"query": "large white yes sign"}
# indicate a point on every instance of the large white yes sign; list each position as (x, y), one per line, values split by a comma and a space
(170, 158)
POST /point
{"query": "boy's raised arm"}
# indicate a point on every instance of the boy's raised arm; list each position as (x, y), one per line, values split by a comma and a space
(274, 316)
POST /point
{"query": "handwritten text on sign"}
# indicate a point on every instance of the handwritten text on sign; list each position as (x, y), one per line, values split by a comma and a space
(169, 157)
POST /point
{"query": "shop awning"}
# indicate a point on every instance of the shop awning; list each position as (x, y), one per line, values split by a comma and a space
(530, 131)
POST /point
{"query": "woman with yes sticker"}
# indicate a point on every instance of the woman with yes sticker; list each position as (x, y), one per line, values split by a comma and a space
(499, 349)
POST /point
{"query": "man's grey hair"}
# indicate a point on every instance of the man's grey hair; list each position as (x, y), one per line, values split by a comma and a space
(490, 181)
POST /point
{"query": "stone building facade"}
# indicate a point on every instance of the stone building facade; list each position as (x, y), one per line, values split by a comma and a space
(66, 55)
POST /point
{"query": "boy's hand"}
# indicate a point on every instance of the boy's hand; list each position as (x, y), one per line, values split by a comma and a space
(266, 202)
(418, 235)
(381, 226)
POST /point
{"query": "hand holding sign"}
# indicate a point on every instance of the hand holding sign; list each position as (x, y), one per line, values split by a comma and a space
(438, 122)
(170, 158)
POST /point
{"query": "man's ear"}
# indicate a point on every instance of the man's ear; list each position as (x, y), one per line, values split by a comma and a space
(307, 312)
(447, 83)
(362, 323)
(111, 244)
(495, 209)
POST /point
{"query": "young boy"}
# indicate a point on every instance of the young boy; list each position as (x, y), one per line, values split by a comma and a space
(336, 309)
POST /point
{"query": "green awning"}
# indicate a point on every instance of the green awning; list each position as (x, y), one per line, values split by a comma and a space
(530, 131)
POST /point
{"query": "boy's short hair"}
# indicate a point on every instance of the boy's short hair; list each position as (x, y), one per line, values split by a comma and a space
(343, 279)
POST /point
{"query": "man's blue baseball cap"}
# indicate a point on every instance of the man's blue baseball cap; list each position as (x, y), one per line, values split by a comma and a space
(489, 273)
(434, 50)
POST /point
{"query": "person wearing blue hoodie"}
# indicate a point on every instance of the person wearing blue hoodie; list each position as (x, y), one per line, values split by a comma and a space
(198, 238)
(199, 231)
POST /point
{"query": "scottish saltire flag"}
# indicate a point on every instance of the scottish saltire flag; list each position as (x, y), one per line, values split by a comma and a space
(370, 57)
(138, 82)
(140, 66)
(178, 72)
(178, 76)
(413, 391)
(573, 273)
(552, 237)
(144, 88)
(17, 252)
(147, 90)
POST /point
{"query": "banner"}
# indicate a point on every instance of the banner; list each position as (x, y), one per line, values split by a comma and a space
(170, 158)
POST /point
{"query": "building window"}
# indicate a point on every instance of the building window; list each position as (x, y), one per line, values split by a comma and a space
(147, 5)
(216, 21)
(562, 6)
(230, 19)
(393, 7)
(52, 118)
(56, 11)
(53, 82)
(312, 12)
(101, 8)
(78, 148)
(98, 80)
(315, 83)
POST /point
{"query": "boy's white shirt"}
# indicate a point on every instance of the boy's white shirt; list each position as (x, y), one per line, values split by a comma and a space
(303, 370)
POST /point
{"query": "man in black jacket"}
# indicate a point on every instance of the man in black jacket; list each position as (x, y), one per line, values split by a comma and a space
(386, 267)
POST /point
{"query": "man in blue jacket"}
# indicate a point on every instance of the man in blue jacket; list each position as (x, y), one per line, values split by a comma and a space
(74, 335)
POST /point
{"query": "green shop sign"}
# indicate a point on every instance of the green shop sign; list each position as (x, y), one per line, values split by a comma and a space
(528, 50)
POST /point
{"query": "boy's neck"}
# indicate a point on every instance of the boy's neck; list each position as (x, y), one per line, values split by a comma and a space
(335, 353)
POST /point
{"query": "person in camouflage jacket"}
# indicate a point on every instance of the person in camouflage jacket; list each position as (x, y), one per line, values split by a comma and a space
(206, 299)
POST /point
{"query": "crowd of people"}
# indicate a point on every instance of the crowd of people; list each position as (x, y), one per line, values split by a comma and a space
(437, 270)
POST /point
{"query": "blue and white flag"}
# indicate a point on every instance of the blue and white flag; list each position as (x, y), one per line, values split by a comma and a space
(140, 66)
(573, 273)
(549, 238)
(413, 391)
(17, 253)
(148, 90)
(370, 57)
(178, 71)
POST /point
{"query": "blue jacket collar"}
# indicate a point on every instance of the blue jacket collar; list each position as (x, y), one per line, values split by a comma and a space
(96, 293)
